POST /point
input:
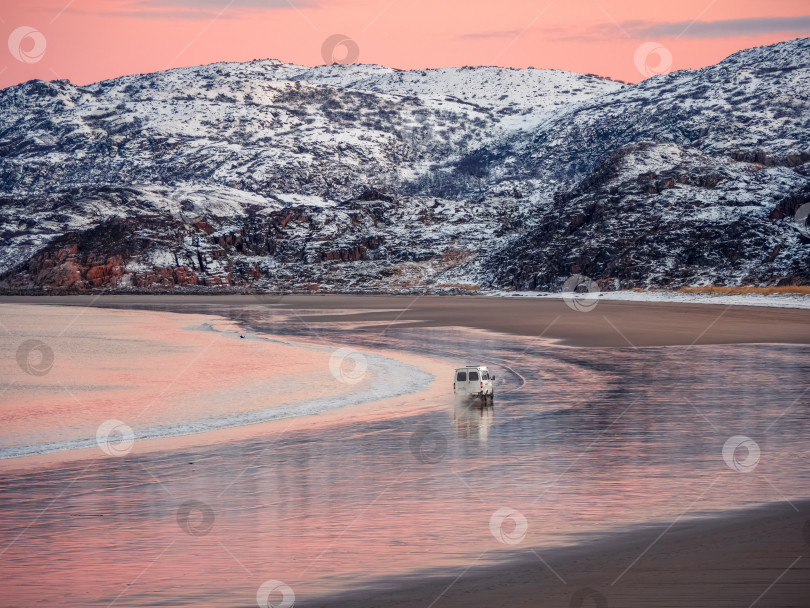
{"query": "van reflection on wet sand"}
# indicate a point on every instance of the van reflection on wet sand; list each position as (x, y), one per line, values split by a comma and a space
(473, 420)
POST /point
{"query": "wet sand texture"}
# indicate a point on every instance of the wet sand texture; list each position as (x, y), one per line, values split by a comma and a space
(609, 323)
(759, 557)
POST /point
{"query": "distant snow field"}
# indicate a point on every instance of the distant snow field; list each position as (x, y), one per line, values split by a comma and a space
(771, 300)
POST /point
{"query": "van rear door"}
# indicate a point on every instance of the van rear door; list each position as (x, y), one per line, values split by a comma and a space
(461, 381)
(473, 382)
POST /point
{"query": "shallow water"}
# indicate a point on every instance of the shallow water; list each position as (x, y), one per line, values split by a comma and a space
(580, 442)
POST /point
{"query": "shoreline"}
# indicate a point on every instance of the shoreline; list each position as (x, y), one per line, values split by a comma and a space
(740, 558)
(777, 299)
(92, 385)
(611, 323)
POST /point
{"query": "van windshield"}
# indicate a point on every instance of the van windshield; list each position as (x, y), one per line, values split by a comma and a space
(461, 377)
(473, 376)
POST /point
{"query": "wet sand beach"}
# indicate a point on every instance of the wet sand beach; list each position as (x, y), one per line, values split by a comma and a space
(183, 377)
(758, 557)
(636, 455)
(609, 323)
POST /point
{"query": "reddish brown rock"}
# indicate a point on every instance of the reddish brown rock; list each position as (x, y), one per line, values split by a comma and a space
(204, 226)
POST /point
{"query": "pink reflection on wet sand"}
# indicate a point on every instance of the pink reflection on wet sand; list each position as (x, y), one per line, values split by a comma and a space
(591, 442)
(145, 369)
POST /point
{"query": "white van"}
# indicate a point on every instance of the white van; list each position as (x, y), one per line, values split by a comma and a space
(474, 381)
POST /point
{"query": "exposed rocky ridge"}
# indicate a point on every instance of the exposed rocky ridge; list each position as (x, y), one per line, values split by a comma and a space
(264, 175)
(660, 215)
(752, 107)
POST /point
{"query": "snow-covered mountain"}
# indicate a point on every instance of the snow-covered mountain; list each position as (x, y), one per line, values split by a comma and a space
(265, 175)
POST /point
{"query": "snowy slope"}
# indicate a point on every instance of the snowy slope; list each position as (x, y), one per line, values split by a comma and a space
(269, 175)
(754, 106)
(661, 215)
(505, 90)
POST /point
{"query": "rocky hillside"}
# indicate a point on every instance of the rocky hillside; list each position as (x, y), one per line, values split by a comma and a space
(267, 176)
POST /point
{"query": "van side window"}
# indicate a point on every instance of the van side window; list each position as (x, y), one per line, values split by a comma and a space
(484, 376)
(473, 376)
(461, 377)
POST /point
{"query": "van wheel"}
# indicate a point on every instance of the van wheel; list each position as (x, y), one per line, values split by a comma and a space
(492, 398)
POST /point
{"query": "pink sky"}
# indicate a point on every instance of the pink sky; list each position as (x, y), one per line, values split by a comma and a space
(90, 40)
